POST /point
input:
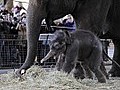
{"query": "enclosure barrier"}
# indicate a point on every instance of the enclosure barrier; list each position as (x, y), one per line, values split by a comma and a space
(13, 49)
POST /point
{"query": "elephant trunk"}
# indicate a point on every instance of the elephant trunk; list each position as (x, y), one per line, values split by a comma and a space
(49, 55)
(35, 15)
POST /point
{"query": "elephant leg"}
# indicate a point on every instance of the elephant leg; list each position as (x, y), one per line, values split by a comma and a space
(67, 67)
(36, 13)
(98, 73)
(60, 62)
(115, 70)
(95, 68)
(89, 73)
(79, 71)
(71, 57)
(94, 63)
(103, 69)
(69, 63)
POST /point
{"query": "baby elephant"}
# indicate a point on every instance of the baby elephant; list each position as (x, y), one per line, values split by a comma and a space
(81, 50)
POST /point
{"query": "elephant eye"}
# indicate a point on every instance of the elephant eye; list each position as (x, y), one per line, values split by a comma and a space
(61, 43)
(56, 44)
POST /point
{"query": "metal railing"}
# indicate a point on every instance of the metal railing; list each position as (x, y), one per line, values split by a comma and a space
(13, 50)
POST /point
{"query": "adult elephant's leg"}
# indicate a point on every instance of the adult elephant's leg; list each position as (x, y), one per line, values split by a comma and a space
(115, 70)
(34, 18)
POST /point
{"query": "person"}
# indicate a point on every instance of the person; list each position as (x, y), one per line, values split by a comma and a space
(58, 22)
(18, 10)
(69, 22)
(9, 5)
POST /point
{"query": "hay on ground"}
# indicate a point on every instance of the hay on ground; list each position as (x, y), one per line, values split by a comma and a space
(36, 78)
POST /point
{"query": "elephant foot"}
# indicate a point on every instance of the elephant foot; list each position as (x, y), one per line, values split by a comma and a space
(67, 67)
(89, 76)
(58, 68)
(102, 80)
(78, 76)
(100, 76)
(79, 72)
(89, 73)
(20, 72)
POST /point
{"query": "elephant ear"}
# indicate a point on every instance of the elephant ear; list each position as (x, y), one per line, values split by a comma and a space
(68, 37)
(59, 35)
(63, 35)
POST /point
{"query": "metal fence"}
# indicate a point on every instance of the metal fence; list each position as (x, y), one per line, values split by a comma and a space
(13, 51)
(13, 48)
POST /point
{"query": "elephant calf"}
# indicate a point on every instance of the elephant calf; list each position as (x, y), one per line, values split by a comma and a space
(79, 50)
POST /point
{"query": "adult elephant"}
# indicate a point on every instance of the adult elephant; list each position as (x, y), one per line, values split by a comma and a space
(102, 17)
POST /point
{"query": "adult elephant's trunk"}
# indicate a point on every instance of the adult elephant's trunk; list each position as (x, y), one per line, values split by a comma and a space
(34, 19)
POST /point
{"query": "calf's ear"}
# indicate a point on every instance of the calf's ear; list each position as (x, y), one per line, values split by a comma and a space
(68, 37)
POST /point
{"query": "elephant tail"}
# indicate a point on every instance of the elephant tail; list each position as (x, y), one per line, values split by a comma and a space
(110, 58)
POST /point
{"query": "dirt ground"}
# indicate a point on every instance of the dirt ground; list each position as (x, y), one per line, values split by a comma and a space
(36, 78)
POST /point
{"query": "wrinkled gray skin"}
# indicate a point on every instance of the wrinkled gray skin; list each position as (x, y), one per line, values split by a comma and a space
(82, 50)
(102, 17)
(60, 60)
